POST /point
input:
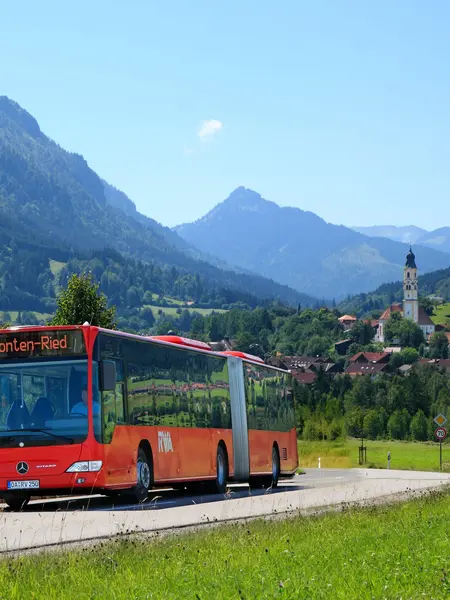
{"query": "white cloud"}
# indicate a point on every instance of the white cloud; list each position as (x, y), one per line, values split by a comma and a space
(209, 129)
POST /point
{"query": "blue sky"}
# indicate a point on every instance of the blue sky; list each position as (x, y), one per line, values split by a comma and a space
(339, 107)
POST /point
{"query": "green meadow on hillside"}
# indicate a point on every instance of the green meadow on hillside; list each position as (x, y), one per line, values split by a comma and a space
(442, 314)
(171, 311)
(13, 314)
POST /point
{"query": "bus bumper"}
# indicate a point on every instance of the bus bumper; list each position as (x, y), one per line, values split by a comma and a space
(34, 470)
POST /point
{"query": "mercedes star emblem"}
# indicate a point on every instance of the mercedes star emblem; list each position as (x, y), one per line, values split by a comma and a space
(22, 468)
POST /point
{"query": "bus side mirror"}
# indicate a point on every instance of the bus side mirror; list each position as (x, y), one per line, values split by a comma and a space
(107, 375)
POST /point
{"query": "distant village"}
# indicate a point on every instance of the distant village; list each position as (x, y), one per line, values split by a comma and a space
(306, 369)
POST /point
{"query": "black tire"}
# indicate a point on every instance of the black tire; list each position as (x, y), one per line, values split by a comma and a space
(272, 480)
(219, 485)
(16, 502)
(144, 472)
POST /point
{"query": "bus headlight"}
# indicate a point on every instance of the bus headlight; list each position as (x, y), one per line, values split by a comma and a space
(85, 465)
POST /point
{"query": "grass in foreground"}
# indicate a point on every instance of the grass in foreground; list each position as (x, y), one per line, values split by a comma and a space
(419, 456)
(380, 552)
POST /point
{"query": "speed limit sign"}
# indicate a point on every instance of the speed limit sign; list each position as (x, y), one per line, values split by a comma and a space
(440, 433)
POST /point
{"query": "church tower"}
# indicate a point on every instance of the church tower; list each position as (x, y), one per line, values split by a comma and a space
(410, 288)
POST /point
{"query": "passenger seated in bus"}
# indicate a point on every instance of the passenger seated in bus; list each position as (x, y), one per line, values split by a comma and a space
(18, 416)
(80, 408)
(43, 411)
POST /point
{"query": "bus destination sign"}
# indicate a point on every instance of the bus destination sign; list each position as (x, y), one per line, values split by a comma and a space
(41, 343)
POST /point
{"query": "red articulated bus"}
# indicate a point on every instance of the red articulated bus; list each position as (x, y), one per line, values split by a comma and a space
(88, 410)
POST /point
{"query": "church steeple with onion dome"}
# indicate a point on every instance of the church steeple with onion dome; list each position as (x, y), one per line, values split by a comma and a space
(410, 288)
(410, 308)
(411, 259)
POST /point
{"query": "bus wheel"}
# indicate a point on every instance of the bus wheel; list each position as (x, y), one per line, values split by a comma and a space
(144, 472)
(272, 480)
(219, 485)
(275, 466)
(16, 501)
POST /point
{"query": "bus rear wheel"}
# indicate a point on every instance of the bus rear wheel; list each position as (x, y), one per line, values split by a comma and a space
(219, 485)
(268, 481)
(144, 475)
(272, 480)
(16, 502)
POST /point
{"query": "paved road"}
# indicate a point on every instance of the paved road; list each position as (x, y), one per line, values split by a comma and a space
(56, 522)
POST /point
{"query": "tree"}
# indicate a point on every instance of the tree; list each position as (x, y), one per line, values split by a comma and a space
(146, 314)
(373, 425)
(214, 332)
(81, 301)
(403, 331)
(398, 425)
(245, 342)
(362, 333)
(354, 421)
(407, 356)
(427, 305)
(439, 345)
(419, 427)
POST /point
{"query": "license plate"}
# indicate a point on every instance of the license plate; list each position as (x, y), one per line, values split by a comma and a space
(23, 485)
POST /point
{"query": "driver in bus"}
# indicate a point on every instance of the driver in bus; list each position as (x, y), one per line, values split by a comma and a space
(80, 408)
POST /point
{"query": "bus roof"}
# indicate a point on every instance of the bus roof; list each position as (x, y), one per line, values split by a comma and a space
(170, 340)
(182, 341)
(244, 355)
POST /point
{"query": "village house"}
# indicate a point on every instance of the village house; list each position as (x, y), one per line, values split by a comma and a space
(368, 363)
(370, 357)
(305, 369)
(347, 321)
(358, 368)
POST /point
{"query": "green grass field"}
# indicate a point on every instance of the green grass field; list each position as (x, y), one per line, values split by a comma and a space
(442, 315)
(398, 551)
(14, 313)
(56, 266)
(171, 311)
(404, 455)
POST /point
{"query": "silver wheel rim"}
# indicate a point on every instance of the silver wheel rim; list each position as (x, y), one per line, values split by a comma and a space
(220, 469)
(143, 479)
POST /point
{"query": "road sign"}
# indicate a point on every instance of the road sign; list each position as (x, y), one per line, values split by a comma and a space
(440, 433)
(440, 420)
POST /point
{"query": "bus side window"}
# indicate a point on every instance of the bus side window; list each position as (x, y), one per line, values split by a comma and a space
(113, 406)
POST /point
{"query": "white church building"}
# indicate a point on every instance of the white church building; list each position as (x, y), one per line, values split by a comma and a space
(410, 308)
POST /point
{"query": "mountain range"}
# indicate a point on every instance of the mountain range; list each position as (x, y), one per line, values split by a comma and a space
(299, 249)
(438, 239)
(408, 234)
(59, 216)
(53, 201)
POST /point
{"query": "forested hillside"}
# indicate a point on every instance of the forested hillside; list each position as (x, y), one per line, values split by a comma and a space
(30, 282)
(436, 283)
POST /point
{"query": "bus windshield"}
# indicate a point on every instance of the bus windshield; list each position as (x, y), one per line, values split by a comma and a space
(43, 403)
